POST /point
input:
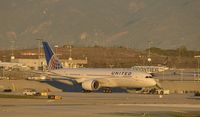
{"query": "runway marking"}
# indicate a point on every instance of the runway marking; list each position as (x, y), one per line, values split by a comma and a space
(164, 105)
(50, 100)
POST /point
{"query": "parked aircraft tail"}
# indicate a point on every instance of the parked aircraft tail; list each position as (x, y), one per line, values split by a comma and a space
(52, 61)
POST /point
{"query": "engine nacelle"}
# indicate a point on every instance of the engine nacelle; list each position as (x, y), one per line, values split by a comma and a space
(91, 85)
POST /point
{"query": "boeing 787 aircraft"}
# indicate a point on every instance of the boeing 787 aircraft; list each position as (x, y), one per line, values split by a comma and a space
(92, 79)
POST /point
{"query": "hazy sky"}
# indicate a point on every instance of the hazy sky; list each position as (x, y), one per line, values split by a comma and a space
(129, 23)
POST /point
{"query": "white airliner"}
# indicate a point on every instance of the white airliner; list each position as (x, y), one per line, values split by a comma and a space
(92, 79)
(8, 65)
(151, 69)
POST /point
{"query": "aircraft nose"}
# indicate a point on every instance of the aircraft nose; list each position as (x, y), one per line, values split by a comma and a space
(153, 82)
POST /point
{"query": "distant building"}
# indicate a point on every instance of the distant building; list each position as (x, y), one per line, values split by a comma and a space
(40, 64)
(10, 65)
(34, 64)
(70, 63)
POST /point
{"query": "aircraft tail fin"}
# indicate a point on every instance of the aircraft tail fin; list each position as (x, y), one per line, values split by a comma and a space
(52, 61)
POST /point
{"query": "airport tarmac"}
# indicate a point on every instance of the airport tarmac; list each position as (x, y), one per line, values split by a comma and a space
(103, 105)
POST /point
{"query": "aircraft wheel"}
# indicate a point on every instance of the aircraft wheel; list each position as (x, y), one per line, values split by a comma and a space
(161, 92)
(107, 90)
(86, 91)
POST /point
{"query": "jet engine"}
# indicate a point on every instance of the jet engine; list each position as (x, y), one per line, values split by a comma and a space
(91, 85)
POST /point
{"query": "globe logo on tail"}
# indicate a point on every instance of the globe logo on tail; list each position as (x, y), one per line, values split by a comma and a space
(54, 63)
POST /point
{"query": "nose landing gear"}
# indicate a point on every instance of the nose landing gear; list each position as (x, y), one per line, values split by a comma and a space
(86, 91)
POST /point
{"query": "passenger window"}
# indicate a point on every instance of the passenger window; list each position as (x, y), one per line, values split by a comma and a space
(148, 77)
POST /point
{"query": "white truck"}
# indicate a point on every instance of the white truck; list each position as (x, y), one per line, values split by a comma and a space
(31, 92)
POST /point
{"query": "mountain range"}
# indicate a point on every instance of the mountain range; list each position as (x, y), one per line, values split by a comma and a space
(111, 23)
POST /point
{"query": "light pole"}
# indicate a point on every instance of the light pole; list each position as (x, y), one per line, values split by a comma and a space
(12, 49)
(2, 71)
(149, 53)
(70, 52)
(198, 56)
(56, 47)
(149, 43)
(39, 48)
(181, 76)
(163, 75)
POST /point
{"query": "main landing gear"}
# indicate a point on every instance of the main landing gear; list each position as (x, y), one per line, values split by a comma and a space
(107, 90)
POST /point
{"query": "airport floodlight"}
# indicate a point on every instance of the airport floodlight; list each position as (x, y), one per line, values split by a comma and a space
(197, 56)
(12, 57)
(149, 59)
(56, 46)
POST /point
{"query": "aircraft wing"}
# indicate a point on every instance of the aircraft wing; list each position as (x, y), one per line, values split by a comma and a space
(105, 81)
(52, 75)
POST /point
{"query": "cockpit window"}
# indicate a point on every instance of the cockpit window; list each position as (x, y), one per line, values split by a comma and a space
(148, 77)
